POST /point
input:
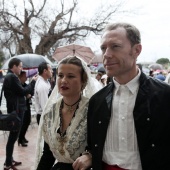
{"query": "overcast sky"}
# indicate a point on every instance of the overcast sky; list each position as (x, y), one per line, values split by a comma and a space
(152, 19)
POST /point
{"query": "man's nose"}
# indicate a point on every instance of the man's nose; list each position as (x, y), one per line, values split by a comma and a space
(107, 53)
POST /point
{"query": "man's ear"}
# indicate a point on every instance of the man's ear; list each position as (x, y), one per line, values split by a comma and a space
(137, 48)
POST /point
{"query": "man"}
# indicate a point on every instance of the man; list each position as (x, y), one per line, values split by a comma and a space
(42, 88)
(14, 94)
(27, 114)
(128, 120)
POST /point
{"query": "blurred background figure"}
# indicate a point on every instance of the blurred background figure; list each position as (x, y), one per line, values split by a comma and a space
(167, 80)
(104, 80)
(42, 88)
(151, 73)
(99, 76)
(27, 115)
(160, 76)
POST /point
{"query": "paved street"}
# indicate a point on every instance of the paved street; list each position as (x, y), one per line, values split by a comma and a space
(24, 154)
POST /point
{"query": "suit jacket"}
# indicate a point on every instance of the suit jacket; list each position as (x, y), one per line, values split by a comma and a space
(14, 92)
(152, 123)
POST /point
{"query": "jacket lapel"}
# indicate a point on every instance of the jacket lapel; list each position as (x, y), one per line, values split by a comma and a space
(109, 96)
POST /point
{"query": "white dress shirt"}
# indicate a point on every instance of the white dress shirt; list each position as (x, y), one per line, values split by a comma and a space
(121, 146)
(41, 91)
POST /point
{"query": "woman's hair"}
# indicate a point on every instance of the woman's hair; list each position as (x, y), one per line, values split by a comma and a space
(76, 61)
(132, 32)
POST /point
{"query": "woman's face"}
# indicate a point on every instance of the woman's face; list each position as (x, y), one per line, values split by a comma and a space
(69, 80)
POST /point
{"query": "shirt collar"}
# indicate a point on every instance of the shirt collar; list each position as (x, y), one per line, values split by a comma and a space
(131, 85)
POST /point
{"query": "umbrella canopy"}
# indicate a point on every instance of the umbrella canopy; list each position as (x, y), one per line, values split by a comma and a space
(29, 61)
(81, 51)
(31, 72)
(97, 59)
(102, 70)
(155, 66)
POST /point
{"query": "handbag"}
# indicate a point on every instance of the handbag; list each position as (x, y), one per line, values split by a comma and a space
(9, 121)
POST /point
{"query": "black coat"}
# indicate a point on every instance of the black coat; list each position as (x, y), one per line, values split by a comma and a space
(152, 122)
(14, 92)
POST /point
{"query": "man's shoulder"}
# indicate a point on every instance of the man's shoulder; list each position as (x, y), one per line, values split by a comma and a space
(104, 91)
(10, 75)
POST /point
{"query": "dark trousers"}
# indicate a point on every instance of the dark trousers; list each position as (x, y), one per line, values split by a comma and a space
(25, 125)
(10, 143)
(38, 118)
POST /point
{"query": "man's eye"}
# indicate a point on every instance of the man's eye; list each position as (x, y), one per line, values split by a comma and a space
(115, 46)
(70, 76)
(103, 48)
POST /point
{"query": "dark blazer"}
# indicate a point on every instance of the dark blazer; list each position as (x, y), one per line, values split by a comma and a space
(13, 92)
(152, 122)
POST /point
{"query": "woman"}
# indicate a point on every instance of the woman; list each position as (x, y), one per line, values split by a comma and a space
(63, 124)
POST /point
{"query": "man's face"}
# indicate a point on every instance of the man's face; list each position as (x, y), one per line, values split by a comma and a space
(49, 72)
(119, 56)
(17, 69)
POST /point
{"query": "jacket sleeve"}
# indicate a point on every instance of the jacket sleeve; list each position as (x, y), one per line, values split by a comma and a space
(17, 86)
(47, 160)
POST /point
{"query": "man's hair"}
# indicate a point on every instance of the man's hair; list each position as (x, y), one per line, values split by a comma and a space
(14, 61)
(41, 67)
(76, 61)
(133, 34)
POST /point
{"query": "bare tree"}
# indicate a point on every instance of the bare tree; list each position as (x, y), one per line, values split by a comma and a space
(23, 25)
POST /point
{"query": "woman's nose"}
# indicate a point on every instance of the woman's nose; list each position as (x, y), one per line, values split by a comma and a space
(64, 79)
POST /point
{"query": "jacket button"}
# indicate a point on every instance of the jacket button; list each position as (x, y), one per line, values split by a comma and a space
(100, 122)
(148, 119)
(96, 145)
(91, 168)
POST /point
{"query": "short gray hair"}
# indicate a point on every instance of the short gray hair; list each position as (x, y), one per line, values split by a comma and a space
(133, 34)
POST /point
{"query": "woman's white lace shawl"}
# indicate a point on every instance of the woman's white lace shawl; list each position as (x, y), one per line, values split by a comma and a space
(76, 133)
(49, 123)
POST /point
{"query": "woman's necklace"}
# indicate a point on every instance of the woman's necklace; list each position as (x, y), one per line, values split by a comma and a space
(70, 108)
(63, 137)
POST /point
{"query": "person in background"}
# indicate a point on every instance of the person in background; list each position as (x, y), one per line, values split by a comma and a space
(63, 122)
(99, 75)
(104, 80)
(128, 120)
(27, 115)
(160, 76)
(151, 73)
(14, 94)
(42, 88)
(167, 80)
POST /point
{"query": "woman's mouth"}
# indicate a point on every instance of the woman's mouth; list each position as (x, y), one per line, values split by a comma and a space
(64, 88)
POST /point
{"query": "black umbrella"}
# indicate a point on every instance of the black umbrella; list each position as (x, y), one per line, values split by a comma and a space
(29, 61)
(102, 70)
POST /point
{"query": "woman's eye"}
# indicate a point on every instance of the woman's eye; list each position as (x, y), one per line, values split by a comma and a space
(60, 76)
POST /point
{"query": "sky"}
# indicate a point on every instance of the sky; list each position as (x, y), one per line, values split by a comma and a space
(152, 18)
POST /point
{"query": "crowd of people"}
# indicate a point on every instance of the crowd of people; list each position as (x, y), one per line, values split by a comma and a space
(118, 120)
